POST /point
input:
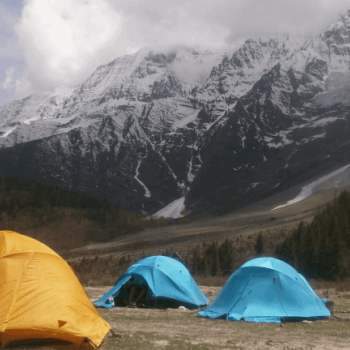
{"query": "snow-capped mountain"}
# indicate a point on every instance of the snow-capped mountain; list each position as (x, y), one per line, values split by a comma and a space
(222, 131)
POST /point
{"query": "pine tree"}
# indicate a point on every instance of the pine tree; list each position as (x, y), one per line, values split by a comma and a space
(259, 245)
(321, 248)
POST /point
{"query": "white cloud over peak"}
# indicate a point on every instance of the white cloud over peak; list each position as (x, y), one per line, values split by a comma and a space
(194, 69)
(63, 41)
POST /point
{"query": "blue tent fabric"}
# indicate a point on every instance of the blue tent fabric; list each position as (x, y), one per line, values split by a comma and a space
(166, 278)
(266, 290)
(106, 300)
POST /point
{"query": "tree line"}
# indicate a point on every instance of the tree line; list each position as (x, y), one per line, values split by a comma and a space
(62, 218)
(321, 249)
(65, 219)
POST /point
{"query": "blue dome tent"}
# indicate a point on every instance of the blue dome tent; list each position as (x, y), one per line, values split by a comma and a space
(266, 290)
(167, 279)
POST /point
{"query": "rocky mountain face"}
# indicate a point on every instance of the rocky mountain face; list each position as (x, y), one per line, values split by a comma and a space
(221, 131)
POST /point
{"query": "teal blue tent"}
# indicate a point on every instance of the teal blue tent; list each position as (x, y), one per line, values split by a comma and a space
(266, 290)
(168, 280)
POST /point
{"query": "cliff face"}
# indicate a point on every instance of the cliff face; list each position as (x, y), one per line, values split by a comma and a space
(144, 131)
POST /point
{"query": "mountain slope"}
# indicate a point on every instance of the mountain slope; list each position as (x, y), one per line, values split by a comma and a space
(264, 149)
(147, 129)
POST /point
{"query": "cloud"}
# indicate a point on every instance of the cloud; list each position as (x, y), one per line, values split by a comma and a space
(272, 17)
(194, 69)
(215, 22)
(63, 41)
(9, 78)
(171, 22)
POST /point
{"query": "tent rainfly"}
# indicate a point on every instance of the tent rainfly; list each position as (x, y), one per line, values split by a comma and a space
(41, 299)
(168, 281)
(266, 290)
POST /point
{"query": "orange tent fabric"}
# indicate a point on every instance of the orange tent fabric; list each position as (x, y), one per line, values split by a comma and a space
(41, 298)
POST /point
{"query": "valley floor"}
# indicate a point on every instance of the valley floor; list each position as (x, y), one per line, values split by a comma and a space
(176, 329)
(244, 224)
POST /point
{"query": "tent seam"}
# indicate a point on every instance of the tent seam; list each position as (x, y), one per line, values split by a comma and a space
(28, 252)
(240, 297)
(19, 282)
(274, 280)
(269, 268)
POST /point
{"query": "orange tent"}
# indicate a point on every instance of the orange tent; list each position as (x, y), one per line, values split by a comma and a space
(41, 298)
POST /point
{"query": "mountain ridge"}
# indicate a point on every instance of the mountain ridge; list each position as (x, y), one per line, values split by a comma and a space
(143, 132)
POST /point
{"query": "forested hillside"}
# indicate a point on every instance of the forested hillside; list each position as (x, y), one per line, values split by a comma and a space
(321, 249)
(60, 218)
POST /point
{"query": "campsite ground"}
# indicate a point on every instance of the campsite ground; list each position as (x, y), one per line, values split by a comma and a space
(176, 329)
(168, 329)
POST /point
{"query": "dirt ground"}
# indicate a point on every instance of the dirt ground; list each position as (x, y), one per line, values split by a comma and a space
(177, 329)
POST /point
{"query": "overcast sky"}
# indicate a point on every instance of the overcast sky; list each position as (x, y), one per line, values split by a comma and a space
(49, 43)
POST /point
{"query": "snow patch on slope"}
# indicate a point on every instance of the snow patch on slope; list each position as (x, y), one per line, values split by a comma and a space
(172, 210)
(147, 191)
(321, 182)
(183, 122)
(7, 132)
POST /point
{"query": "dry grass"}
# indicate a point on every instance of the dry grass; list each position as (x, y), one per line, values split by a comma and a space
(175, 329)
(59, 234)
(340, 286)
(211, 281)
